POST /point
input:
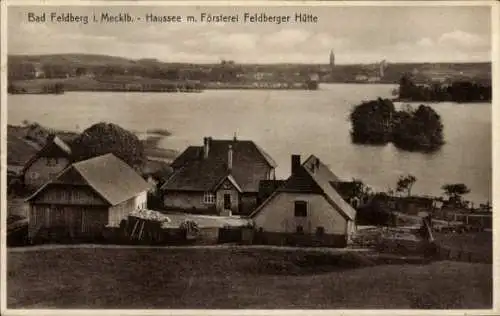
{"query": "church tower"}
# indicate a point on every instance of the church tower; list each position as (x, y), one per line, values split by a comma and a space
(383, 65)
(332, 59)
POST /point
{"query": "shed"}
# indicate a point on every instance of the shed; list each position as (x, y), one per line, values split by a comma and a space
(86, 197)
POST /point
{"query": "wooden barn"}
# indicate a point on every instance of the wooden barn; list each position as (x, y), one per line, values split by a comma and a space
(85, 198)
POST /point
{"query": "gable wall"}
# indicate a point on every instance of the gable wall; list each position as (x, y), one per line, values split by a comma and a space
(121, 211)
(278, 215)
(68, 194)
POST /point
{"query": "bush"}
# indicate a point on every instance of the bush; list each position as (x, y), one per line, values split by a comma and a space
(373, 214)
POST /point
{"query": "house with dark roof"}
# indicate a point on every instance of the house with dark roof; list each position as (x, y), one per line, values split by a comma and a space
(86, 197)
(46, 163)
(221, 177)
(306, 209)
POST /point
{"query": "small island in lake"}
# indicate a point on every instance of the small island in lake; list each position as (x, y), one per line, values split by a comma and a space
(377, 122)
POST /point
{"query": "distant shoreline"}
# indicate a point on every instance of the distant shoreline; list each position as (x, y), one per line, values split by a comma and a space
(40, 86)
(409, 100)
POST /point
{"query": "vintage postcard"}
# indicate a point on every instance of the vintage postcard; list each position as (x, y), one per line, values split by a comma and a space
(248, 157)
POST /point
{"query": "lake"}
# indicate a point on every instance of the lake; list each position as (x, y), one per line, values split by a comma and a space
(285, 123)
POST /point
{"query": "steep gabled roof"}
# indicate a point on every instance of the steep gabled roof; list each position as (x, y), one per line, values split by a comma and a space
(108, 176)
(314, 177)
(191, 153)
(324, 178)
(270, 161)
(268, 187)
(54, 148)
(194, 172)
(20, 150)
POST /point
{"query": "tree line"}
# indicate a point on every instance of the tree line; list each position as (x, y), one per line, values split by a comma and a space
(373, 208)
(457, 91)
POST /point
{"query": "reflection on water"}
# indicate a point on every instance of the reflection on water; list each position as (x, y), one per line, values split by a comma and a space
(283, 123)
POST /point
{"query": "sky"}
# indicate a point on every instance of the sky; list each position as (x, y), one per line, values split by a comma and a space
(356, 34)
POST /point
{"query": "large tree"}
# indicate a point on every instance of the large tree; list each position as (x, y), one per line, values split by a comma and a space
(354, 189)
(405, 184)
(455, 192)
(103, 138)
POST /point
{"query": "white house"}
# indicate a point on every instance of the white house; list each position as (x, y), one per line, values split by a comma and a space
(306, 208)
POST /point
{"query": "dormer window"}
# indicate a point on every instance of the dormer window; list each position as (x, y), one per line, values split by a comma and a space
(209, 198)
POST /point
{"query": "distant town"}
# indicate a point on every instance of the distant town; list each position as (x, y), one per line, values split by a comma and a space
(83, 72)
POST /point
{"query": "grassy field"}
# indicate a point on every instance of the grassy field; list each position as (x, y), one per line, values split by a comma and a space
(236, 278)
(473, 242)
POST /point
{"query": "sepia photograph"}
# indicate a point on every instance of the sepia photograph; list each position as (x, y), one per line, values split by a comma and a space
(248, 156)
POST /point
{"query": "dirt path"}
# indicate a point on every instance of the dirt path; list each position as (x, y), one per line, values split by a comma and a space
(226, 246)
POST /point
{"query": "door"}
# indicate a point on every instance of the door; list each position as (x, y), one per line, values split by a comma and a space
(227, 202)
(93, 222)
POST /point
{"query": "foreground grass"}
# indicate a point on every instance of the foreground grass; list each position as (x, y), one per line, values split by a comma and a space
(235, 278)
(481, 242)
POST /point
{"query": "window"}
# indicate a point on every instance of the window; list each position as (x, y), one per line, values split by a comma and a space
(209, 198)
(227, 201)
(300, 209)
(300, 229)
(320, 231)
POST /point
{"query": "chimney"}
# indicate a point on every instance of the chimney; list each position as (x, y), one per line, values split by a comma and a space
(295, 163)
(206, 146)
(50, 137)
(230, 157)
